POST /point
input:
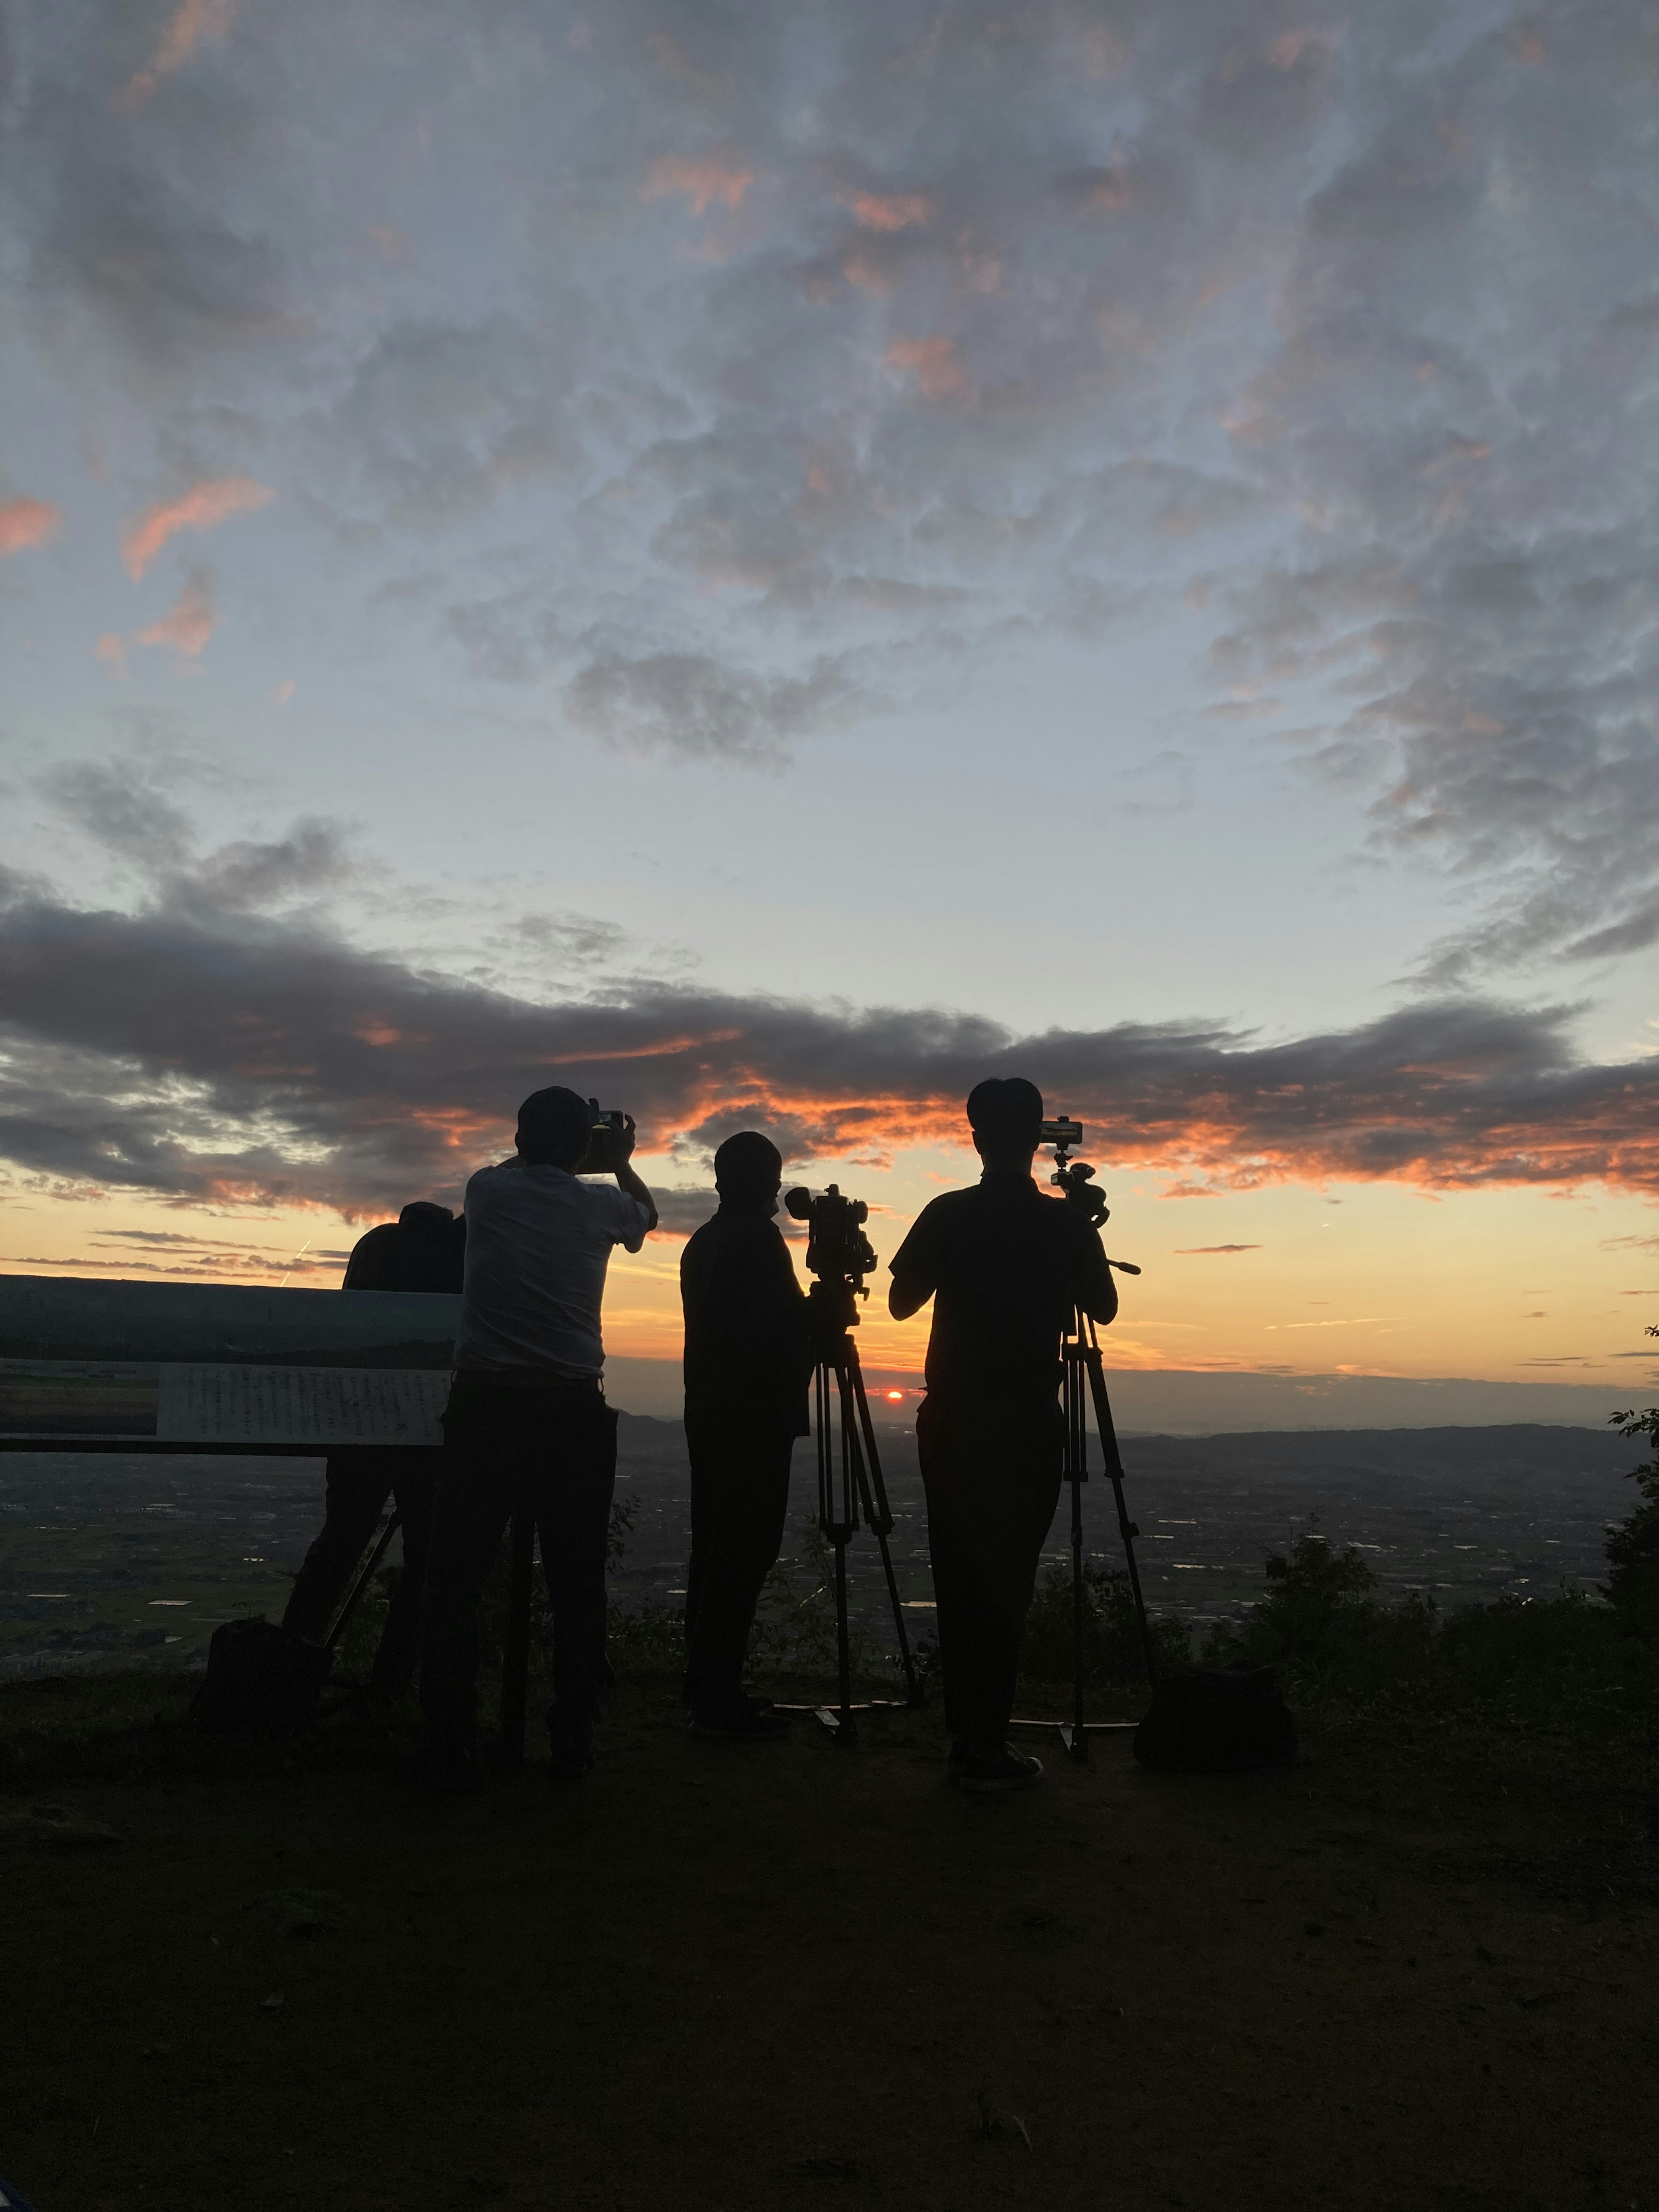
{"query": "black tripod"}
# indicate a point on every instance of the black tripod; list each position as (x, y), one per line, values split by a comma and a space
(1083, 1386)
(851, 1490)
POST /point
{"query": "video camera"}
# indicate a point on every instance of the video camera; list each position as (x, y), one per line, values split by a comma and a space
(606, 1141)
(837, 1250)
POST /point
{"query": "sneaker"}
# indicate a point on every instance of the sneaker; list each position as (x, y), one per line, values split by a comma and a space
(984, 1771)
(740, 1719)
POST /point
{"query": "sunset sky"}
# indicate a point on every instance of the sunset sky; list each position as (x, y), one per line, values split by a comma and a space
(768, 561)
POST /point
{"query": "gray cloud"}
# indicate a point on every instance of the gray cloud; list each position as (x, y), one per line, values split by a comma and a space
(198, 1050)
(974, 324)
(688, 704)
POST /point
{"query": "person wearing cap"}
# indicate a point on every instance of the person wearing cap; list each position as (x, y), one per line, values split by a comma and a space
(747, 1360)
(527, 1424)
(421, 1251)
(1005, 1266)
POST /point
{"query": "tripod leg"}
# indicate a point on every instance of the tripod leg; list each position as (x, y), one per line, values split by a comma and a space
(1076, 1474)
(515, 1659)
(1126, 1528)
(845, 1732)
(332, 1640)
(879, 1514)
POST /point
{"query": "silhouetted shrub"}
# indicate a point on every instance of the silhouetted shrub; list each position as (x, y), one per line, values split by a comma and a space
(1111, 1633)
(1632, 1546)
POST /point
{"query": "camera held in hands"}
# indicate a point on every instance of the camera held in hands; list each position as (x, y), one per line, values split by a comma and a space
(607, 1145)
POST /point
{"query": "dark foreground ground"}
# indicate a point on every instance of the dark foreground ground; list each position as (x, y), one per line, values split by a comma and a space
(1415, 1971)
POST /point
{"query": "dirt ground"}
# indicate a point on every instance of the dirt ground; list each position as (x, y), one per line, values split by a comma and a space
(795, 1974)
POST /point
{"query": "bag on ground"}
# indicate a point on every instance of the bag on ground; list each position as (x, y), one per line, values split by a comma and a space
(261, 1679)
(1217, 1719)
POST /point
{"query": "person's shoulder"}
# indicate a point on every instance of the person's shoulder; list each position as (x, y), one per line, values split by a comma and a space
(1065, 1223)
(947, 1203)
(494, 1176)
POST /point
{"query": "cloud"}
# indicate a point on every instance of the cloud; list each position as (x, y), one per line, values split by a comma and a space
(1366, 305)
(689, 704)
(128, 808)
(704, 183)
(933, 362)
(204, 1046)
(892, 210)
(1192, 1251)
(196, 20)
(203, 507)
(188, 623)
(25, 522)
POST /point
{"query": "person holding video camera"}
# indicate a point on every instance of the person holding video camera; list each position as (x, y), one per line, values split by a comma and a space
(749, 1357)
(1006, 1266)
(527, 1424)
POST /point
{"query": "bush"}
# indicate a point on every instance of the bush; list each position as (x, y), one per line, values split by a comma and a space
(1632, 1548)
(1111, 1632)
(1324, 1627)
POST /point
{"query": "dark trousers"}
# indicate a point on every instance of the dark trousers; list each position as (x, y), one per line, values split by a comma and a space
(739, 1501)
(993, 1478)
(359, 1483)
(553, 1452)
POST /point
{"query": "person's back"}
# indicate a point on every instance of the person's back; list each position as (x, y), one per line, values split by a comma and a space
(748, 1356)
(745, 1323)
(527, 1424)
(1005, 1267)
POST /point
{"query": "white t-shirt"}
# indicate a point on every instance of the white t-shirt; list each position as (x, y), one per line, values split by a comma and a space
(537, 1244)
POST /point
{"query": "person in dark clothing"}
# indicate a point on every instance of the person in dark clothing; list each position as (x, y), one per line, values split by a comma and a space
(748, 1358)
(1005, 1266)
(421, 1251)
(527, 1426)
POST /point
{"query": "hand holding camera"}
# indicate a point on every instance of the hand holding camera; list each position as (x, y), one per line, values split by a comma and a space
(612, 1143)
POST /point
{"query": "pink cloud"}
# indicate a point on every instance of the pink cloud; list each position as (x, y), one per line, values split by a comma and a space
(933, 362)
(195, 20)
(892, 212)
(111, 650)
(704, 183)
(203, 507)
(27, 522)
(188, 622)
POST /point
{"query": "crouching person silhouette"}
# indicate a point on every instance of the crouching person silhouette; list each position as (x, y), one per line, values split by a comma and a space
(527, 1426)
(421, 1251)
(1005, 1266)
(747, 1360)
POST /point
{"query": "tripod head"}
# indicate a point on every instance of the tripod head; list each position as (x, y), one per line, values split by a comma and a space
(1075, 1179)
(838, 1252)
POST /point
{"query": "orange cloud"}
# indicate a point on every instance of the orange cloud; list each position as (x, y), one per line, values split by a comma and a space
(704, 183)
(27, 522)
(933, 362)
(111, 649)
(894, 211)
(187, 624)
(203, 507)
(196, 20)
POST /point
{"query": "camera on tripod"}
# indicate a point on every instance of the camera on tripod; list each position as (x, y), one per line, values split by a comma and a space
(838, 1252)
